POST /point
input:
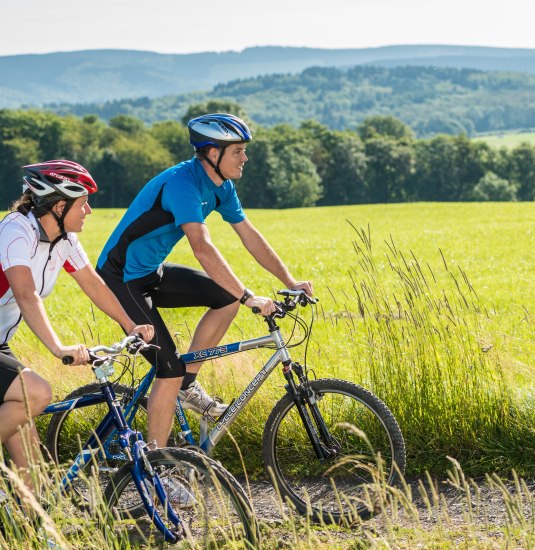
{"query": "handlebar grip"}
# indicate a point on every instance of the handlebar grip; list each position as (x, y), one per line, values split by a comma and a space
(67, 360)
(256, 309)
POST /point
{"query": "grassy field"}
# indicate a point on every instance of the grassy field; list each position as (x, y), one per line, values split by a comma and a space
(508, 140)
(428, 305)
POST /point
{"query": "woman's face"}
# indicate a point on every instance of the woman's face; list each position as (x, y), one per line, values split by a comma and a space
(74, 220)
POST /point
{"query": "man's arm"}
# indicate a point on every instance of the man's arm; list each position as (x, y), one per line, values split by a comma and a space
(217, 268)
(264, 254)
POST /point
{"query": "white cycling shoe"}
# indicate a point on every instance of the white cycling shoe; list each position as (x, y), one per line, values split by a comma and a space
(196, 399)
(177, 493)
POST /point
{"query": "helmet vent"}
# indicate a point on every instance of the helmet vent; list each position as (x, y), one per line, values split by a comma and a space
(73, 188)
(52, 179)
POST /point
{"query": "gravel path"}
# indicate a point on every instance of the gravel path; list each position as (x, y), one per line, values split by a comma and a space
(464, 508)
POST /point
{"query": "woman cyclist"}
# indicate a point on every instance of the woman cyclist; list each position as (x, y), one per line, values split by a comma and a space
(37, 239)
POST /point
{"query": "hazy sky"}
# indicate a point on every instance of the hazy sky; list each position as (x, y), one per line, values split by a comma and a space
(184, 26)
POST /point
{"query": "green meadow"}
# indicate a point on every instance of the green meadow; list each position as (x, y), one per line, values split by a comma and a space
(507, 139)
(428, 305)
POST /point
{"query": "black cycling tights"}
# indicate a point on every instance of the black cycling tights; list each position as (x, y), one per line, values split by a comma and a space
(172, 287)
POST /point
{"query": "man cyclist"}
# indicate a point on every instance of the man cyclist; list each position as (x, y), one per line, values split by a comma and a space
(37, 240)
(173, 204)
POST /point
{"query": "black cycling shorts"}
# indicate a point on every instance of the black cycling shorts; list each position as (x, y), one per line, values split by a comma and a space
(172, 286)
(10, 368)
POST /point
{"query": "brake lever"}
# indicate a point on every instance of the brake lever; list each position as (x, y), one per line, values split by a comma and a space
(96, 360)
(139, 345)
(304, 300)
(279, 311)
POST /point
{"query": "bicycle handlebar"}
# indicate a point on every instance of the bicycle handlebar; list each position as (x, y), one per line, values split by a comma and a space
(291, 299)
(114, 349)
(302, 297)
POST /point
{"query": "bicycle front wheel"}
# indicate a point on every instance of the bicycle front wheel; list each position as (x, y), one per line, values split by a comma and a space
(367, 451)
(213, 508)
(69, 430)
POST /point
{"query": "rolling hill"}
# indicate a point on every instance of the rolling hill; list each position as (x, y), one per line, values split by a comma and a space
(102, 75)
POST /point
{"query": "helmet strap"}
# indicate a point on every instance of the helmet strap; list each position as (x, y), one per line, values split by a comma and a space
(212, 164)
(61, 219)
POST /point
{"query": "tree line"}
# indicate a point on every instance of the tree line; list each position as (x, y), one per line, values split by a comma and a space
(379, 162)
(430, 100)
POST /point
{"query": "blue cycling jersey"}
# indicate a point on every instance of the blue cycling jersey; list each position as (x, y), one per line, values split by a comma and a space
(151, 226)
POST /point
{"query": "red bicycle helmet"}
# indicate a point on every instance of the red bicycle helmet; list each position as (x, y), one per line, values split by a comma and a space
(61, 178)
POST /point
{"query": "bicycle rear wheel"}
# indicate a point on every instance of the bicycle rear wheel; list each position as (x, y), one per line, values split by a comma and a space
(370, 450)
(214, 511)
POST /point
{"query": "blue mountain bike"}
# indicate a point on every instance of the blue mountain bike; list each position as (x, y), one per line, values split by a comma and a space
(326, 443)
(184, 493)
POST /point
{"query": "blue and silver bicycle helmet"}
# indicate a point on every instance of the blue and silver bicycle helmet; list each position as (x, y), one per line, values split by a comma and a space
(217, 130)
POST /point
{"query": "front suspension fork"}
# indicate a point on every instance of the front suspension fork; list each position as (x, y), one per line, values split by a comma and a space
(322, 442)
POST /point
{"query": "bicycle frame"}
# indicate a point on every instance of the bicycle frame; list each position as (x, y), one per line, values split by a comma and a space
(208, 440)
(105, 429)
(114, 418)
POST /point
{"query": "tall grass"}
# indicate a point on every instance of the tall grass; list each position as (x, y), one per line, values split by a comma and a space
(437, 320)
(420, 339)
(48, 519)
(455, 511)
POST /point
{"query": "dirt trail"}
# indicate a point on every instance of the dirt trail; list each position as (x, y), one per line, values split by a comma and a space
(473, 506)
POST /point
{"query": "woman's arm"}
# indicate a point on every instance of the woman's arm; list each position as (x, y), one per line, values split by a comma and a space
(33, 312)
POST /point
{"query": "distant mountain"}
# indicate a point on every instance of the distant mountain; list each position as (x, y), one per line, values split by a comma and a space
(431, 100)
(101, 75)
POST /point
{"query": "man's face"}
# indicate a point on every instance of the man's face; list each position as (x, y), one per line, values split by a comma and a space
(231, 165)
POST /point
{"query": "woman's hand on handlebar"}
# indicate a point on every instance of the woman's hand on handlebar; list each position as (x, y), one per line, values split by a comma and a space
(79, 354)
(265, 305)
(145, 331)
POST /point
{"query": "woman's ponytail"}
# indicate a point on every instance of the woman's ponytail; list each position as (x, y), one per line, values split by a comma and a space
(23, 204)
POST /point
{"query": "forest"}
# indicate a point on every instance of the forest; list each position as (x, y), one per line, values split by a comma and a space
(431, 100)
(381, 161)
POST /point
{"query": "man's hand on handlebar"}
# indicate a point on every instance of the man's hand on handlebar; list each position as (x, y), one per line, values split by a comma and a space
(304, 285)
(265, 305)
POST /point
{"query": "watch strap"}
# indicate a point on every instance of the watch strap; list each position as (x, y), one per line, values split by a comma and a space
(246, 295)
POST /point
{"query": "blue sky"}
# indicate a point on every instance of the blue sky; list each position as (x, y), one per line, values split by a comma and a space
(175, 26)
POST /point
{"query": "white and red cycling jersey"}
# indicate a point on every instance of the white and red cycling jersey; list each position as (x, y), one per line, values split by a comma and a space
(23, 242)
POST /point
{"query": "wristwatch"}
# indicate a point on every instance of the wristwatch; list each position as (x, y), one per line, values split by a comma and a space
(246, 295)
